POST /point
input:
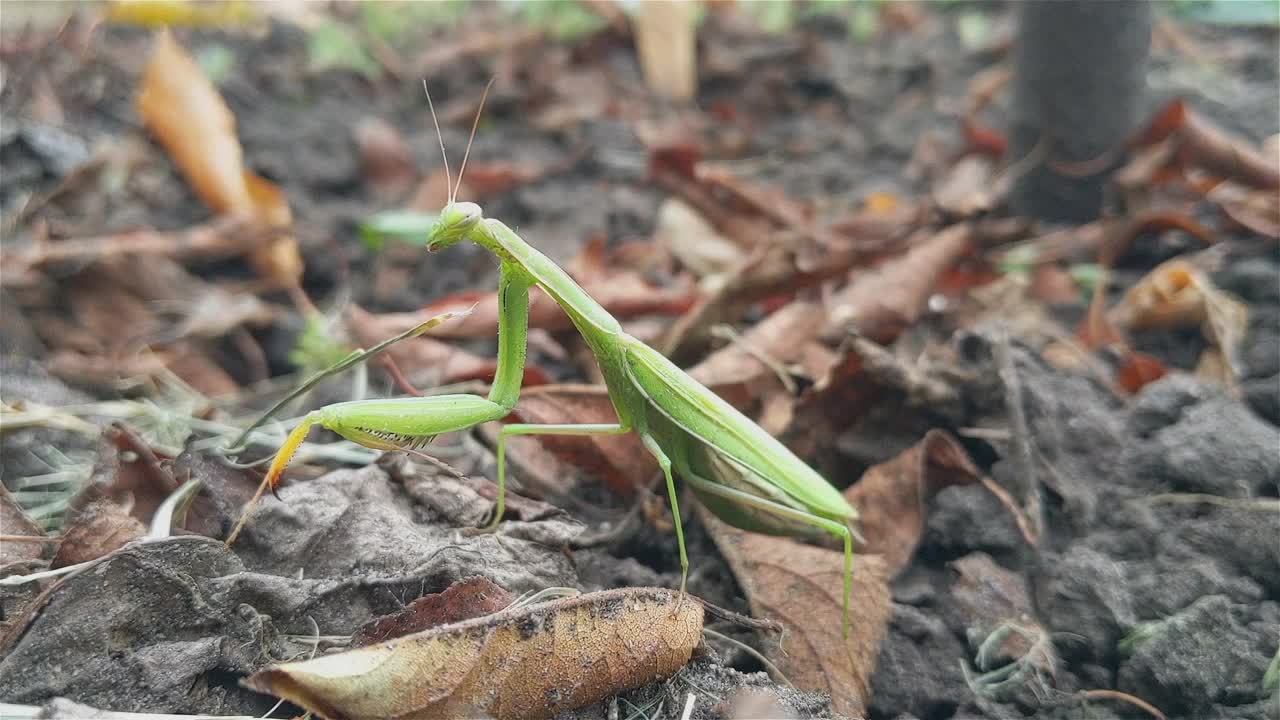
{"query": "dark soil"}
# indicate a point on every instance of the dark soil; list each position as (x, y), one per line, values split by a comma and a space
(1140, 588)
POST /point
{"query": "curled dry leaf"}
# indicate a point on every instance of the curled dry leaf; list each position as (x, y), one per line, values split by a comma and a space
(892, 497)
(99, 528)
(465, 599)
(1178, 294)
(526, 663)
(802, 587)
(190, 119)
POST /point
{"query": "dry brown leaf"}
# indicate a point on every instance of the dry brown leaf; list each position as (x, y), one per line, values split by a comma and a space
(189, 118)
(752, 362)
(99, 528)
(526, 663)
(892, 497)
(465, 599)
(1255, 210)
(802, 587)
(888, 300)
(623, 294)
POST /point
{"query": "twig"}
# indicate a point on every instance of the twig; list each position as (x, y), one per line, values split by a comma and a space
(1011, 505)
(1028, 485)
(739, 619)
(126, 439)
(226, 236)
(1123, 697)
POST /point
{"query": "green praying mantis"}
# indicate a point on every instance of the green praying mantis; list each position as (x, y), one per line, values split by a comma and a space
(741, 473)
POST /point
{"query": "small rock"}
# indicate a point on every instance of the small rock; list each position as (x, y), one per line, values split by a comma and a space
(970, 518)
(1087, 595)
(1161, 403)
(1217, 447)
(1190, 661)
(1263, 396)
(907, 677)
(1253, 279)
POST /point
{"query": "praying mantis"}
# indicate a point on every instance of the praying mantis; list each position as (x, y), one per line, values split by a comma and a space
(740, 472)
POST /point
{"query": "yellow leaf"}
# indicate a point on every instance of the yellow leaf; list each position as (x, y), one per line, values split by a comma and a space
(162, 13)
(190, 119)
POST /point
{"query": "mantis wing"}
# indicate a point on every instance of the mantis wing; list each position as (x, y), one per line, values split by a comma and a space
(708, 417)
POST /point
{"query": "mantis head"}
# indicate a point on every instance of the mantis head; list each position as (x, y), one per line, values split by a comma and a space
(456, 222)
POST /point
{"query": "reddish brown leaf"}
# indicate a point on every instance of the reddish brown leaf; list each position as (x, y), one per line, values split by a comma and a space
(464, 599)
(893, 497)
(983, 140)
(1138, 370)
(1169, 120)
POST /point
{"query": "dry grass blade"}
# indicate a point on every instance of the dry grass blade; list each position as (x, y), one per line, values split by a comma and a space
(528, 663)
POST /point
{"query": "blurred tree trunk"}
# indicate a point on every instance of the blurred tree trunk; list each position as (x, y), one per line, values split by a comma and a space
(1079, 79)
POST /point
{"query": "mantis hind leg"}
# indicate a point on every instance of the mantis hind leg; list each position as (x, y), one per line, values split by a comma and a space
(530, 429)
(665, 463)
(839, 530)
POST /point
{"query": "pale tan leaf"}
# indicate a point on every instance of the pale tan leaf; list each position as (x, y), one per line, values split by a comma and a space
(666, 39)
(527, 663)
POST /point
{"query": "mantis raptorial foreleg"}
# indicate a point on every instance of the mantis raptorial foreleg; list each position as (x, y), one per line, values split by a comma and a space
(585, 429)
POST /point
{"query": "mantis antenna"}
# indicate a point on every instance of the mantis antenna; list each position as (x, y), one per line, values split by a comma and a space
(448, 181)
(474, 124)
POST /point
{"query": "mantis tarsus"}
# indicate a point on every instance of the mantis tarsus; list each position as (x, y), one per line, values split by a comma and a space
(740, 472)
